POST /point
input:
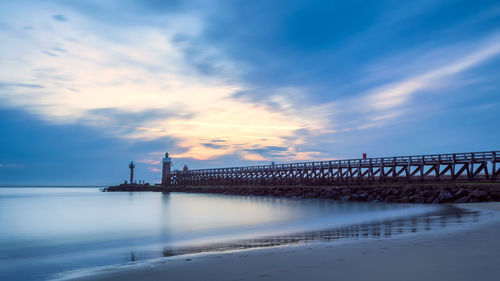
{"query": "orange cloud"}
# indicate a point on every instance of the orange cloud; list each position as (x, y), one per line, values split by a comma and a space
(149, 161)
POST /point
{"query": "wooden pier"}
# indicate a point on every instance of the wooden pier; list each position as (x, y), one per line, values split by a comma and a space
(471, 166)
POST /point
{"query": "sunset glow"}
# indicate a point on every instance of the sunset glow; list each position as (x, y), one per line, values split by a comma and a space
(179, 79)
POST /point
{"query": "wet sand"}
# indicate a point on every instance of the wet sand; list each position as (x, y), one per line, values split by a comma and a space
(470, 253)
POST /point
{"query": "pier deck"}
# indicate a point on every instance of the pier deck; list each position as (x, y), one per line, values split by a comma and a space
(470, 166)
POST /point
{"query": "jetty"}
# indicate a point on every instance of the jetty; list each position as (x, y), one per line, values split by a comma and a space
(468, 167)
(440, 178)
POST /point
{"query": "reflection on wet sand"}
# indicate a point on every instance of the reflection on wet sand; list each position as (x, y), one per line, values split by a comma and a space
(447, 217)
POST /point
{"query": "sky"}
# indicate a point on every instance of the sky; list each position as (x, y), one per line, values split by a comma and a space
(88, 86)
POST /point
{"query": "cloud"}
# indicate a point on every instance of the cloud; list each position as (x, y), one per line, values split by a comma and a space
(214, 146)
(11, 166)
(123, 122)
(218, 140)
(49, 53)
(60, 18)
(62, 154)
(149, 161)
(137, 85)
(225, 82)
(56, 49)
(396, 94)
(23, 85)
(278, 153)
(267, 149)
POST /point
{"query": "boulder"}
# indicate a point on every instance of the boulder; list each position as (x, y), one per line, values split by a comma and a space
(445, 196)
(419, 198)
(310, 195)
(391, 198)
(494, 192)
(427, 193)
(346, 198)
(464, 199)
(431, 199)
(404, 200)
(460, 193)
(479, 194)
(409, 188)
(363, 196)
(346, 191)
(474, 200)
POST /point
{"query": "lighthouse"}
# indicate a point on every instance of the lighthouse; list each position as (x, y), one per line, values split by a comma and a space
(131, 166)
(165, 175)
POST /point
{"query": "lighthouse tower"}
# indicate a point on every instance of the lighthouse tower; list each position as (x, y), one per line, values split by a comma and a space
(131, 166)
(165, 175)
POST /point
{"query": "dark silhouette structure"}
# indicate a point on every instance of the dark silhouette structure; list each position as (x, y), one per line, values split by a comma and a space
(165, 174)
(470, 166)
(131, 166)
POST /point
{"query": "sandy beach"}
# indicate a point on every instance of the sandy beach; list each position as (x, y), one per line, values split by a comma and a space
(470, 253)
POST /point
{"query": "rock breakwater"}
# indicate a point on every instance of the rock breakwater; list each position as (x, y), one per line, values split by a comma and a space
(409, 193)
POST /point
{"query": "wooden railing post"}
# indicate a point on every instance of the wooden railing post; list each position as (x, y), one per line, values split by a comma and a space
(381, 176)
(493, 165)
(359, 179)
(438, 168)
(470, 173)
(370, 173)
(408, 170)
(422, 167)
(394, 176)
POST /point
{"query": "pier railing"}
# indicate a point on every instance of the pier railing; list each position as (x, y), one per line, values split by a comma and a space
(470, 166)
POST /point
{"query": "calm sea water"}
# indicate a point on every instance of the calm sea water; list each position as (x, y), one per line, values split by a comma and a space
(45, 231)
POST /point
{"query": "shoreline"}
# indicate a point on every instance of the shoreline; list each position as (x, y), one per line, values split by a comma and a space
(326, 259)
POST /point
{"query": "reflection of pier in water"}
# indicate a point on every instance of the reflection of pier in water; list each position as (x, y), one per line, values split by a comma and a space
(448, 217)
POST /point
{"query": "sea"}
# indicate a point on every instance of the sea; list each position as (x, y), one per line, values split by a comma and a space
(46, 233)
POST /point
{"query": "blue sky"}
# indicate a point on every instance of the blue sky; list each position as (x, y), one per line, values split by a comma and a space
(86, 86)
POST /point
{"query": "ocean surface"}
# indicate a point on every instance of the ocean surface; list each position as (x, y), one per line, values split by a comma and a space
(47, 231)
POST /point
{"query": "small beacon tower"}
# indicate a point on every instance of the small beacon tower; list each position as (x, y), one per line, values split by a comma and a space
(131, 166)
(165, 174)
